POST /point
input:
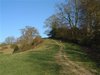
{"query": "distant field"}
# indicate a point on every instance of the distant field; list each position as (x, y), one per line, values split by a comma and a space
(42, 61)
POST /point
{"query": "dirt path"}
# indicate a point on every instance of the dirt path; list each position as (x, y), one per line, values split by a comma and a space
(69, 67)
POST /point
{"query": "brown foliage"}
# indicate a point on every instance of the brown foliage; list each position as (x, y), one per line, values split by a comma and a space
(37, 41)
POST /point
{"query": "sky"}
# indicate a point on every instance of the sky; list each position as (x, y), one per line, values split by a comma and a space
(16, 14)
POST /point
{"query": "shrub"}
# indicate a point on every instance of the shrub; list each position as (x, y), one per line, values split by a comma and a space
(15, 47)
(25, 47)
(37, 41)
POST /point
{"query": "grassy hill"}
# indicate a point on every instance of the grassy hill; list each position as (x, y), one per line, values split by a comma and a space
(49, 58)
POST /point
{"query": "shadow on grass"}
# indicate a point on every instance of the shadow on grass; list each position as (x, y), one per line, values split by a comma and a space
(80, 54)
(94, 54)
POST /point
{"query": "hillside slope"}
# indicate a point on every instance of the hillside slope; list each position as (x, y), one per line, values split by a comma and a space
(49, 58)
(74, 61)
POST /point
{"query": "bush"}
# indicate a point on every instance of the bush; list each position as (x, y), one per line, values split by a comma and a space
(25, 47)
(37, 41)
(86, 41)
(15, 47)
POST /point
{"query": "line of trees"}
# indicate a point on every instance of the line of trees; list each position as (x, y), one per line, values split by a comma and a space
(29, 39)
(76, 21)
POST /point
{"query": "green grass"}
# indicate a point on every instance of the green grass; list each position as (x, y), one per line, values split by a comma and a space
(78, 55)
(41, 60)
(37, 62)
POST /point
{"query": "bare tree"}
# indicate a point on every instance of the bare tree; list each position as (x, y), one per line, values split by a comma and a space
(28, 34)
(68, 11)
(10, 40)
